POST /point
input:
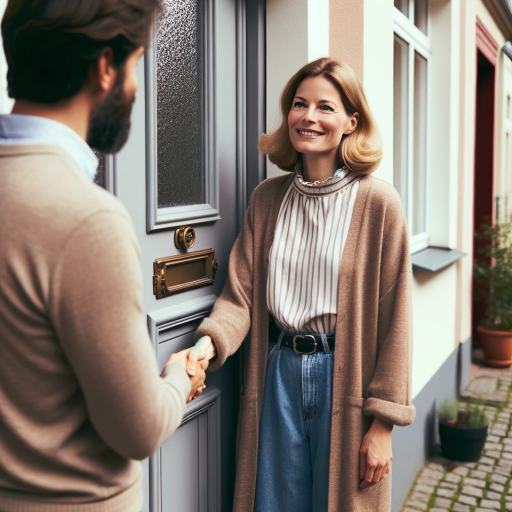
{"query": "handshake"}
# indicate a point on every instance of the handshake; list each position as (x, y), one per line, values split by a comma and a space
(195, 361)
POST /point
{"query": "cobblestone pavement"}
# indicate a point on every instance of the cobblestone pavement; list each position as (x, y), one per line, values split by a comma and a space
(482, 486)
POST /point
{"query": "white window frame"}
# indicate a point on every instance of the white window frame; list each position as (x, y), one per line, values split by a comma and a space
(418, 42)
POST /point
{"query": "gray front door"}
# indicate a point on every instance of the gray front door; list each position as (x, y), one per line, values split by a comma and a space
(184, 165)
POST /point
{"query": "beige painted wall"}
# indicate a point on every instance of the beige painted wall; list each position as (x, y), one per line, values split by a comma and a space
(297, 33)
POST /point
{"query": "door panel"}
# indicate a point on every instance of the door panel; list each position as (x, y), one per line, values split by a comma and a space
(178, 168)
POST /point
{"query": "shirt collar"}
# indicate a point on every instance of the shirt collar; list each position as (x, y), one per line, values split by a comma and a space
(23, 129)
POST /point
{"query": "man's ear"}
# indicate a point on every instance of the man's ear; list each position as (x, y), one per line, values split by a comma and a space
(102, 74)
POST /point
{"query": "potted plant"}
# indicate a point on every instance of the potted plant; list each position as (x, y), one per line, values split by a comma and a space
(493, 286)
(462, 432)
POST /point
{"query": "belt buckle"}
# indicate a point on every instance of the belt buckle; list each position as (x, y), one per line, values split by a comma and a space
(303, 336)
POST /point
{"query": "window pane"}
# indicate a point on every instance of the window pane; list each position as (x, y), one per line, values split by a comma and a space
(420, 145)
(180, 127)
(400, 101)
(403, 5)
(421, 14)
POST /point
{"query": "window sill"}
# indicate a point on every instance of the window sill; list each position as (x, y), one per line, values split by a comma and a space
(433, 259)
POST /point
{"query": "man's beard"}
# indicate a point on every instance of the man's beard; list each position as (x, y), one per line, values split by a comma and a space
(109, 122)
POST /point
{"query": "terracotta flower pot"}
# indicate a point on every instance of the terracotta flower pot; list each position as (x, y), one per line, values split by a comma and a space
(497, 346)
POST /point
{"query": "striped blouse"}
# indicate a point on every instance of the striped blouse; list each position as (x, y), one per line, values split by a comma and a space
(305, 258)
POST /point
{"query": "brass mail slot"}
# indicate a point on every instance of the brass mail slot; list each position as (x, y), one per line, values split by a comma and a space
(175, 274)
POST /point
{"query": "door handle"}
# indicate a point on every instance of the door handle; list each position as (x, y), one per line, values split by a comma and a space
(184, 237)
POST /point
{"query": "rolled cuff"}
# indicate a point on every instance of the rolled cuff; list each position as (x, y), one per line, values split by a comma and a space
(211, 328)
(396, 414)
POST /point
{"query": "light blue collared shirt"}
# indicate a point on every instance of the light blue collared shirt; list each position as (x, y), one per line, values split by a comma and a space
(22, 129)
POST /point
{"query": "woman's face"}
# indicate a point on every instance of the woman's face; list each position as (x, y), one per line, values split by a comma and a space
(317, 119)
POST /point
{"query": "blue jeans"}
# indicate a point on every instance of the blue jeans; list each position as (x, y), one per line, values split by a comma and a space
(295, 433)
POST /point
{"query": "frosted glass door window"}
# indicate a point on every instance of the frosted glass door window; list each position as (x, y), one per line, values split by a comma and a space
(419, 224)
(180, 104)
(400, 117)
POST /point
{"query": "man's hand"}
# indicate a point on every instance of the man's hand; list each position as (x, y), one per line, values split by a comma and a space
(196, 380)
(375, 454)
(204, 350)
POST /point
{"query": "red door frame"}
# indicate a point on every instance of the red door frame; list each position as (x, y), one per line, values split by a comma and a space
(484, 210)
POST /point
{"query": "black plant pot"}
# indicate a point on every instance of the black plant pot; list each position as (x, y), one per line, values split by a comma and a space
(463, 444)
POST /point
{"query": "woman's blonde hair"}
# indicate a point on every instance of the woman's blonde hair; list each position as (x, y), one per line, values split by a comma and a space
(360, 150)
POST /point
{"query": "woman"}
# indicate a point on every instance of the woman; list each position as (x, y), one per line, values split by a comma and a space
(325, 251)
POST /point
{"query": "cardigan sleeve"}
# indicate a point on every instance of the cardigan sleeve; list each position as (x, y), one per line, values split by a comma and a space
(230, 319)
(389, 392)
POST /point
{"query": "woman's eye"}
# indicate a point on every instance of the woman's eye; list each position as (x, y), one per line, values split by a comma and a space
(299, 104)
(326, 108)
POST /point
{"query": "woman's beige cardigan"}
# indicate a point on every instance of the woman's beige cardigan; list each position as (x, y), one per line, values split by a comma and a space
(373, 335)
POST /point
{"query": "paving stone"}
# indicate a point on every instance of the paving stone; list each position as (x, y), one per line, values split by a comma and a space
(417, 505)
(501, 471)
(443, 502)
(467, 500)
(493, 439)
(502, 425)
(507, 448)
(493, 446)
(431, 473)
(507, 441)
(499, 479)
(438, 510)
(480, 474)
(448, 485)
(508, 506)
(420, 496)
(445, 493)
(491, 454)
(497, 487)
(498, 432)
(506, 456)
(459, 507)
(474, 482)
(454, 478)
(424, 488)
(505, 463)
(483, 467)
(490, 495)
(435, 466)
(472, 491)
(426, 480)
(462, 471)
(492, 504)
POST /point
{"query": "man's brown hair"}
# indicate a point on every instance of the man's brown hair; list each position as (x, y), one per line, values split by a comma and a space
(51, 44)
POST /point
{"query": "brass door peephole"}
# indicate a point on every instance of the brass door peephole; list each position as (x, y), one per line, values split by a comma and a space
(184, 237)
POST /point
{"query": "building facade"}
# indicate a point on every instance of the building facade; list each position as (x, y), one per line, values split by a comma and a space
(438, 79)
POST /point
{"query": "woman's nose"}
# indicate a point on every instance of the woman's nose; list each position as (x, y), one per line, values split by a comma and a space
(309, 115)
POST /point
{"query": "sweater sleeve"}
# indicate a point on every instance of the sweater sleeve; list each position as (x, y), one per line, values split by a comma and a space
(389, 392)
(230, 319)
(96, 308)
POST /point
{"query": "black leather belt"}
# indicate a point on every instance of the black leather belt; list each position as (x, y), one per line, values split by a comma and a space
(300, 343)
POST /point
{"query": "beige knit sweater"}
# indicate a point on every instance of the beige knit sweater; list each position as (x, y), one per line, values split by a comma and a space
(80, 394)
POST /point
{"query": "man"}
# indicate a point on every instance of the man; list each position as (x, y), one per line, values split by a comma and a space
(80, 395)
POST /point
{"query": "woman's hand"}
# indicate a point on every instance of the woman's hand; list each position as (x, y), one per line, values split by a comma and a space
(197, 379)
(203, 351)
(375, 454)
